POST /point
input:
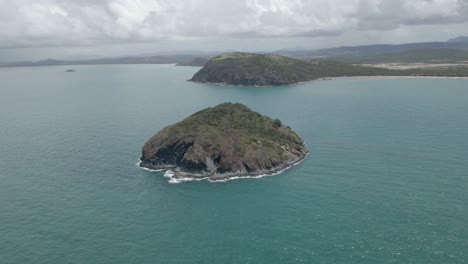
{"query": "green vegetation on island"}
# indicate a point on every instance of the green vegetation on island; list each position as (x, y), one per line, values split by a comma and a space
(267, 69)
(225, 141)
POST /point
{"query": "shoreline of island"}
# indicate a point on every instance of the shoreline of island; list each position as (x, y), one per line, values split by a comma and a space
(175, 176)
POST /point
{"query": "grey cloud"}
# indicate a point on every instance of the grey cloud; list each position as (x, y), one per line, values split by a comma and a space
(386, 15)
(318, 33)
(26, 23)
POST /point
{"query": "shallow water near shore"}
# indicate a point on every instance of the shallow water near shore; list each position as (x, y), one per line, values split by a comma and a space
(385, 180)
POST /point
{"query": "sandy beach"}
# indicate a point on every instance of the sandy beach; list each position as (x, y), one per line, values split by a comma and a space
(399, 77)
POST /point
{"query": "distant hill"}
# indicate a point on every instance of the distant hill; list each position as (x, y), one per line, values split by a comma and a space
(459, 39)
(159, 59)
(371, 49)
(454, 50)
(267, 70)
(427, 55)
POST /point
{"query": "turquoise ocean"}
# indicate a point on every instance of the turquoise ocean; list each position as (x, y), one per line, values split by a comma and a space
(386, 180)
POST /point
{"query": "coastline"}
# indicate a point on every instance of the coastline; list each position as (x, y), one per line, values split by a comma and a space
(373, 77)
(397, 77)
(176, 176)
(336, 78)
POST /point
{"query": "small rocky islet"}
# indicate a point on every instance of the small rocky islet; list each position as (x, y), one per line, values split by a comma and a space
(226, 141)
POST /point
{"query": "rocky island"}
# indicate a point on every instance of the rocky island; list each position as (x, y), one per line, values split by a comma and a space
(250, 69)
(268, 69)
(222, 142)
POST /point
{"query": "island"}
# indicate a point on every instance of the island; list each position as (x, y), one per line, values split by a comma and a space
(249, 69)
(222, 142)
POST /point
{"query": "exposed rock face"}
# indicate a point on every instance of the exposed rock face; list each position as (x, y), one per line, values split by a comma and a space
(225, 141)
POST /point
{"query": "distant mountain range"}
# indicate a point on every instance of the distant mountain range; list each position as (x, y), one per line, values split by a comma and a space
(158, 59)
(375, 49)
(455, 49)
(421, 55)
(460, 39)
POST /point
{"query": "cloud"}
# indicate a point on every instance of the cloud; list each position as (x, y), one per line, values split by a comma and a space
(384, 15)
(25, 23)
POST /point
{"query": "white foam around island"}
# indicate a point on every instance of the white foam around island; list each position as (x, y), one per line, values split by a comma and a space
(259, 176)
(146, 169)
(175, 180)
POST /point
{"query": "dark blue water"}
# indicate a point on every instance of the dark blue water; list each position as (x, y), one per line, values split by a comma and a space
(386, 180)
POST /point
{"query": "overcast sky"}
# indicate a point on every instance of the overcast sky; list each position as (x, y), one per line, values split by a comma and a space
(38, 29)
